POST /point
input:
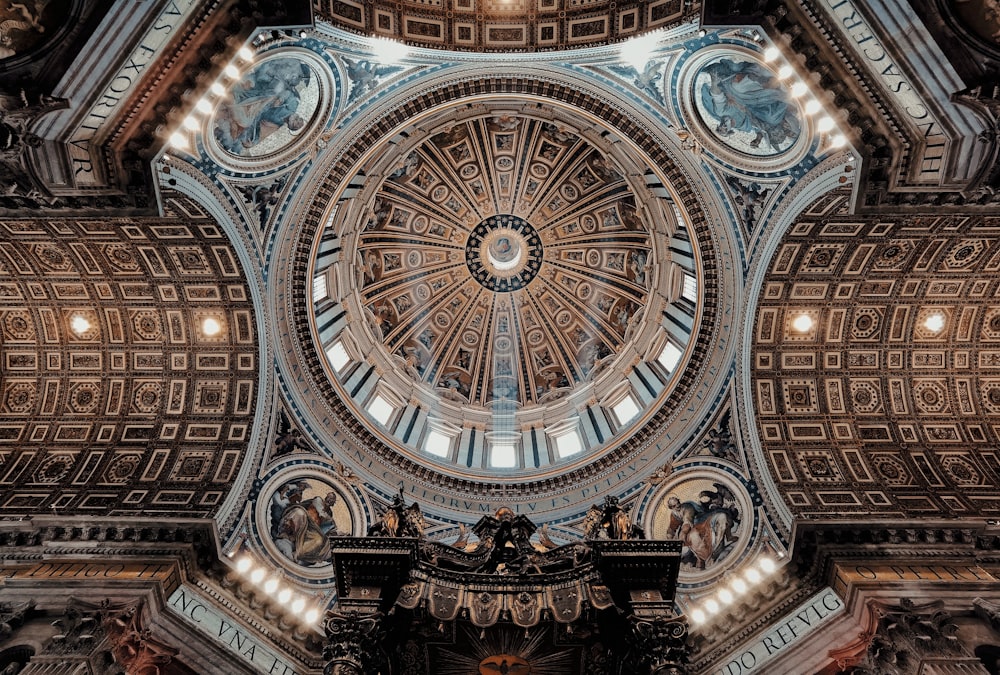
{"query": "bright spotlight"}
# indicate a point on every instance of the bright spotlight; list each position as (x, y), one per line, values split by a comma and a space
(79, 324)
(934, 322)
(771, 53)
(799, 89)
(812, 106)
(179, 140)
(389, 52)
(211, 327)
(802, 323)
(838, 141)
(637, 51)
(244, 564)
(825, 124)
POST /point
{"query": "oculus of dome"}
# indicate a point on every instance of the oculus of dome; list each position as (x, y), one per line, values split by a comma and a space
(504, 253)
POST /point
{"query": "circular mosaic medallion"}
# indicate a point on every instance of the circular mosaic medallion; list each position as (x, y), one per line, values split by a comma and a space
(504, 253)
(746, 106)
(267, 108)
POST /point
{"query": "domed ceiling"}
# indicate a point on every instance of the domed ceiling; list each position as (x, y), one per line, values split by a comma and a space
(505, 272)
(504, 261)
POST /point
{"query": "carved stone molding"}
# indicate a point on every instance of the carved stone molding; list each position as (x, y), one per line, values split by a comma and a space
(353, 640)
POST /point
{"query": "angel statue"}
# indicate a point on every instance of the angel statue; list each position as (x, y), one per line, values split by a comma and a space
(399, 520)
(611, 521)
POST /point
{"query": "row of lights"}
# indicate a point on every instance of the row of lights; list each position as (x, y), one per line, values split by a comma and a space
(812, 106)
(181, 139)
(933, 322)
(739, 585)
(80, 325)
(272, 585)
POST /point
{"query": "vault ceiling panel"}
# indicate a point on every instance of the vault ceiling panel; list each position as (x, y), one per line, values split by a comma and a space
(888, 400)
(115, 396)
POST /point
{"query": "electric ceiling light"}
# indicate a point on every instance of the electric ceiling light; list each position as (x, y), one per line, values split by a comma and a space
(726, 596)
(799, 89)
(934, 322)
(312, 615)
(179, 140)
(785, 72)
(389, 52)
(766, 565)
(803, 323)
(284, 596)
(271, 586)
(190, 123)
(752, 575)
(217, 89)
(712, 606)
(825, 124)
(211, 327)
(698, 616)
(637, 51)
(298, 605)
(231, 71)
(812, 107)
(244, 564)
(79, 324)
(838, 141)
(245, 53)
(771, 53)
(739, 586)
(204, 106)
(258, 575)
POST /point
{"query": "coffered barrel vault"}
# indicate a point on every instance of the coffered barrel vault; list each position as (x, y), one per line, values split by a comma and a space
(129, 366)
(887, 400)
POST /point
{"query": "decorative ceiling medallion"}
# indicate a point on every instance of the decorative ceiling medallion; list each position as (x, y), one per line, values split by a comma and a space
(272, 110)
(711, 514)
(746, 106)
(504, 253)
(297, 512)
(742, 111)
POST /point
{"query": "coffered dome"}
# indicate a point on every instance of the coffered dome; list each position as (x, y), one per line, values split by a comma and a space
(506, 279)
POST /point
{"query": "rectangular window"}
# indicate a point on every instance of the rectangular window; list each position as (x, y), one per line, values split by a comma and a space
(568, 443)
(669, 357)
(320, 291)
(503, 456)
(381, 410)
(338, 356)
(690, 288)
(437, 443)
(626, 409)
